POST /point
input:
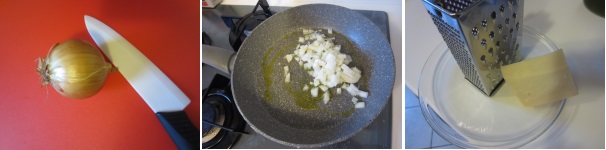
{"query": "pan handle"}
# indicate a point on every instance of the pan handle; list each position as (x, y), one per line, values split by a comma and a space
(220, 58)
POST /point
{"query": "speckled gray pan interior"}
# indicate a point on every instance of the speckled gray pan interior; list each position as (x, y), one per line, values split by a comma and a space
(279, 118)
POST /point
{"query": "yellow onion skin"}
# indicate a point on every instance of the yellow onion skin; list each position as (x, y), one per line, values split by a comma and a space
(75, 68)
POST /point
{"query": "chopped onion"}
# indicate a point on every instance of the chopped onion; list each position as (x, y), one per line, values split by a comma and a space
(344, 86)
(305, 87)
(360, 105)
(322, 60)
(354, 100)
(323, 88)
(353, 90)
(326, 97)
(289, 57)
(363, 94)
(287, 77)
(314, 92)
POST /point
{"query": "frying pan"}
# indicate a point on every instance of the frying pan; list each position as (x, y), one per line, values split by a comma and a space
(282, 112)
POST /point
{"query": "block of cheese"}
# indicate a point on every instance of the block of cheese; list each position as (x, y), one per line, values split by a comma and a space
(540, 80)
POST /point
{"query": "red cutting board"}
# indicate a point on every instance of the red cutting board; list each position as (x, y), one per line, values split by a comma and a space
(167, 32)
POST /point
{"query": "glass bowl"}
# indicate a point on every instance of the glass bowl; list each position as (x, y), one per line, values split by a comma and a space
(464, 116)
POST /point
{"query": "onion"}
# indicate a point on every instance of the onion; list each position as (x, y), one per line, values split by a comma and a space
(314, 92)
(75, 68)
(353, 90)
(360, 105)
(363, 94)
(322, 59)
(326, 97)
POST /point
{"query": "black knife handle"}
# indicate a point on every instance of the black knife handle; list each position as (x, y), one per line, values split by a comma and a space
(181, 130)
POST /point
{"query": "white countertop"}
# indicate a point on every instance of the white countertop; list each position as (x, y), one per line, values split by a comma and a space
(394, 13)
(571, 27)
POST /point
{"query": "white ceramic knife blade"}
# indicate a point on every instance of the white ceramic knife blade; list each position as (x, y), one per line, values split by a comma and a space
(158, 91)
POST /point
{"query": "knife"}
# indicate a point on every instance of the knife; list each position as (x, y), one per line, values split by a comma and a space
(158, 91)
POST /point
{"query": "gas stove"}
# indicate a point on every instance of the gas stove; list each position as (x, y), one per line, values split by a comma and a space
(227, 26)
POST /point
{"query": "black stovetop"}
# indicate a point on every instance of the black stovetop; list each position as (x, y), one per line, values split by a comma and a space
(376, 135)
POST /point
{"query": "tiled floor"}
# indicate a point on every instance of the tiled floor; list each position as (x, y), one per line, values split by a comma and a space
(418, 133)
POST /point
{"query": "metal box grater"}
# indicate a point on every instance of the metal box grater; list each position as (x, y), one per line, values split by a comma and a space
(482, 35)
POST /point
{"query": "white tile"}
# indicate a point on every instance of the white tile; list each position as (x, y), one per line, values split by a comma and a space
(447, 147)
(437, 140)
(418, 132)
(411, 99)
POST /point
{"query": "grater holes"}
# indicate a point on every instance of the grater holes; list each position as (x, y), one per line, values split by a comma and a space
(455, 5)
(510, 5)
(512, 2)
(505, 37)
(483, 59)
(493, 15)
(518, 26)
(514, 15)
(501, 9)
(491, 35)
(484, 24)
(461, 53)
(483, 43)
(474, 31)
(498, 44)
(511, 31)
(507, 21)
(500, 27)
(490, 51)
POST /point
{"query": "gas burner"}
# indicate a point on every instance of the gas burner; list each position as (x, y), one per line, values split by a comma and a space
(214, 111)
(244, 26)
(222, 123)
